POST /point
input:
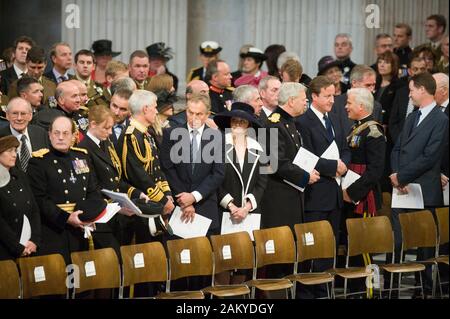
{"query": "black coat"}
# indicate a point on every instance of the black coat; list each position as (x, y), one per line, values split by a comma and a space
(207, 176)
(339, 109)
(398, 112)
(6, 78)
(416, 157)
(17, 200)
(113, 137)
(55, 180)
(386, 98)
(218, 99)
(325, 194)
(282, 204)
(243, 184)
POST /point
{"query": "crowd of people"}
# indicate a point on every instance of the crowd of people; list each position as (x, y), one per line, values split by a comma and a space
(92, 123)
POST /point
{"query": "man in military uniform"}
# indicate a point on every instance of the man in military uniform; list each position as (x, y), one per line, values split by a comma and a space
(367, 144)
(139, 68)
(69, 102)
(3, 105)
(36, 63)
(435, 27)
(209, 50)
(84, 65)
(219, 76)
(140, 160)
(283, 203)
(60, 177)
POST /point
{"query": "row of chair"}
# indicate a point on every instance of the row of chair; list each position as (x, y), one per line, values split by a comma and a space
(100, 269)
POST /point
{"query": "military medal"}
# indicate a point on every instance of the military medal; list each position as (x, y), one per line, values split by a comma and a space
(73, 179)
(83, 123)
(80, 166)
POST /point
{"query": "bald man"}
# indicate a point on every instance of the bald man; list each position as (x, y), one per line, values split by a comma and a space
(69, 101)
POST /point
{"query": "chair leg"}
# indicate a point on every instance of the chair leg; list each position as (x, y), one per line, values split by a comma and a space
(399, 284)
(390, 285)
(253, 293)
(328, 291)
(433, 276)
(345, 288)
(294, 289)
(421, 285)
(439, 282)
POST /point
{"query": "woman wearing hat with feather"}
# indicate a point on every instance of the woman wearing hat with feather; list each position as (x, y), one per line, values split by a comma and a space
(18, 208)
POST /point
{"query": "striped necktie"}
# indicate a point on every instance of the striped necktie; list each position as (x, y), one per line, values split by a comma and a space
(24, 153)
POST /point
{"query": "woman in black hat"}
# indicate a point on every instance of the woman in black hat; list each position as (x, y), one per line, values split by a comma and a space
(103, 54)
(20, 224)
(331, 68)
(164, 105)
(243, 186)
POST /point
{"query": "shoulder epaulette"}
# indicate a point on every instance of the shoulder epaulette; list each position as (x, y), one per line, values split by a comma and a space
(274, 117)
(130, 129)
(40, 153)
(79, 149)
(374, 131)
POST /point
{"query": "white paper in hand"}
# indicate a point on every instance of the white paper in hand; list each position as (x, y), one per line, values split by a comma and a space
(332, 153)
(197, 228)
(306, 161)
(111, 210)
(89, 268)
(412, 200)
(349, 179)
(123, 200)
(39, 274)
(26, 231)
(249, 224)
(138, 260)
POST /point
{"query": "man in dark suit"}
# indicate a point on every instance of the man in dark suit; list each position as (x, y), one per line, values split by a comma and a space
(31, 137)
(282, 203)
(195, 175)
(61, 56)
(269, 88)
(416, 157)
(402, 105)
(319, 129)
(119, 106)
(362, 76)
(19, 67)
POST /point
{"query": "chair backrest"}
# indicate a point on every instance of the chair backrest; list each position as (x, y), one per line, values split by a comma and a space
(315, 240)
(143, 263)
(386, 205)
(43, 275)
(369, 235)
(232, 251)
(190, 257)
(98, 269)
(418, 229)
(9, 280)
(274, 246)
(442, 220)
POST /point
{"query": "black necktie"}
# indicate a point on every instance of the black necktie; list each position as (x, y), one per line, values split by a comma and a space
(328, 127)
(24, 153)
(416, 121)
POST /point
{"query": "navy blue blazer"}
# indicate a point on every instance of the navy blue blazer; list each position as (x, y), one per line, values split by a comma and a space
(416, 157)
(326, 194)
(207, 176)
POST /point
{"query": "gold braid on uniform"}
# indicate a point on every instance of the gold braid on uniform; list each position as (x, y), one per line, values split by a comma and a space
(147, 160)
(115, 160)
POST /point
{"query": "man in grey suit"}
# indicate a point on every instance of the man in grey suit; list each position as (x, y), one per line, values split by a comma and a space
(362, 76)
(416, 157)
(32, 138)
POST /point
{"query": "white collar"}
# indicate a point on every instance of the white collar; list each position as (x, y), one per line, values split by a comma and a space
(319, 114)
(445, 104)
(18, 135)
(18, 71)
(426, 110)
(200, 129)
(58, 75)
(251, 143)
(93, 138)
(267, 110)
